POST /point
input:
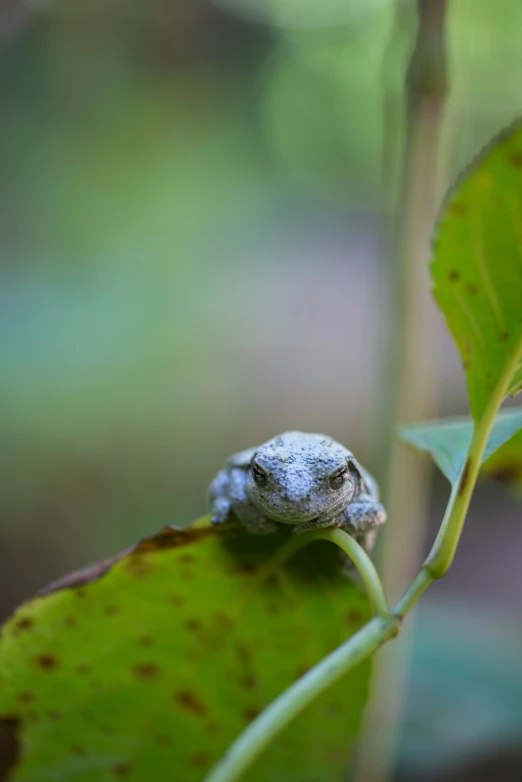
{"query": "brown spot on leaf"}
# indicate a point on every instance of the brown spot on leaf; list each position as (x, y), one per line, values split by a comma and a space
(464, 478)
(9, 745)
(248, 568)
(146, 641)
(248, 681)
(458, 208)
(26, 697)
(78, 750)
(54, 714)
(222, 620)
(516, 159)
(453, 275)
(23, 624)
(80, 592)
(111, 610)
(47, 662)
(191, 702)
(354, 617)
(199, 759)
(472, 289)
(171, 537)
(121, 770)
(193, 625)
(146, 671)
(70, 621)
(137, 565)
(333, 708)
(336, 756)
(83, 668)
(250, 714)
(187, 559)
(176, 600)
(244, 653)
(504, 336)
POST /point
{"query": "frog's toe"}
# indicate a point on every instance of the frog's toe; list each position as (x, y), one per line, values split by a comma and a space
(220, 511)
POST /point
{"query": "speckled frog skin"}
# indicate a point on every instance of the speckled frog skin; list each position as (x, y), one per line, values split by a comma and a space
(303, 480)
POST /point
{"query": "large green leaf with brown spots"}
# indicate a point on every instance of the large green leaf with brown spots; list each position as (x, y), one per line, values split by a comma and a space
(477, 269)
(147, 666)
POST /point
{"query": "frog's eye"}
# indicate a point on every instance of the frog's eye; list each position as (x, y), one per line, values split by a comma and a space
(259, 475)
(337, 478)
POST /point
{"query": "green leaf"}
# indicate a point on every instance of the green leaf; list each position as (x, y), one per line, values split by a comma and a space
(477, 268)
(448, 440)
(150, 670)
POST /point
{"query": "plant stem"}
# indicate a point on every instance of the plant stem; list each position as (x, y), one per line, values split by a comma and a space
(443, 550)
(362, 562)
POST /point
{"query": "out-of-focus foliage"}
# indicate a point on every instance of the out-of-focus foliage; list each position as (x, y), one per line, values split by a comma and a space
(291, 14)
(172, 174)
(448, 441)
(465, 689)
(153, 668)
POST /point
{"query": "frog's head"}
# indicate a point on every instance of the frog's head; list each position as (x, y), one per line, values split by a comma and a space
(298, 477)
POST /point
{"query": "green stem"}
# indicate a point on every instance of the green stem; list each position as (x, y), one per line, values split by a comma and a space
(362, 562)
(443, 551)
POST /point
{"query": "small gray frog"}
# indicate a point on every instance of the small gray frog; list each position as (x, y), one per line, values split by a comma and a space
(306, 481)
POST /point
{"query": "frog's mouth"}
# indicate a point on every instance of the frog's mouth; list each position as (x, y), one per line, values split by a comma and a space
(323, 518)
(299, 507)
(314, 523)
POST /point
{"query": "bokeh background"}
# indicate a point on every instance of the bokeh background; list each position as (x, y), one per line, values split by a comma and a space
(194, 258)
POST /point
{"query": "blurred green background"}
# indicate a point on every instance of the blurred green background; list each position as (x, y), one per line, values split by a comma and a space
(192, 260)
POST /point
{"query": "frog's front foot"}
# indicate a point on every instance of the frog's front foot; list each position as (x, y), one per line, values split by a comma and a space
(362, 515)
(220, 510)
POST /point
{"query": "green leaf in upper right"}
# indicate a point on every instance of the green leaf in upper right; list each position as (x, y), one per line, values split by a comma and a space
(477, 268)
